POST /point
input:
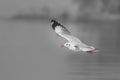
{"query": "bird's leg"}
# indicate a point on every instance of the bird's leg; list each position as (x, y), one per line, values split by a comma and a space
(91, 52)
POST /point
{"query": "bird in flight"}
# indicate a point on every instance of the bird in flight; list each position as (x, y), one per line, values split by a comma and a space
(74, 43)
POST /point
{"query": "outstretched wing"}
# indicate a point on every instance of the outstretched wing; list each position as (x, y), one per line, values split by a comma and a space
(64, 32)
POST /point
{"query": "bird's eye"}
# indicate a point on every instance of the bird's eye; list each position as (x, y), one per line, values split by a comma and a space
(68, 44)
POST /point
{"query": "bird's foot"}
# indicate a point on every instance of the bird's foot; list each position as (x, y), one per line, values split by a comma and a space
(90, 52)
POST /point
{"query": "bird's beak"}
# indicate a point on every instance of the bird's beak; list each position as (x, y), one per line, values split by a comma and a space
(62, 45)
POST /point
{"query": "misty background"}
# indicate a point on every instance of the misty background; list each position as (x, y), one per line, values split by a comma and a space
(30, 49)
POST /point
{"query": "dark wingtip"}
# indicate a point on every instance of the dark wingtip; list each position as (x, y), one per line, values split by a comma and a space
(54, 23)
(52, 20)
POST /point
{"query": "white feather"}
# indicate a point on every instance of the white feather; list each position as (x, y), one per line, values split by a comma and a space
(74, 41)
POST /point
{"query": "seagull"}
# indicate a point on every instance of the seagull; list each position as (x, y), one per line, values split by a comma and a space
(74, 43)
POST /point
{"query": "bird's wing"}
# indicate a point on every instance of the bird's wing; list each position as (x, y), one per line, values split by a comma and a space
(61, 30)
(65, 33)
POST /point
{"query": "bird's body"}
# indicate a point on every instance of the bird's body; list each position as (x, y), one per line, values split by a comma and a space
(73, 43)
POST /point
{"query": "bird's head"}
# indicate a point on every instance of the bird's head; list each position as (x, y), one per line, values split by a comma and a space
(66, 45)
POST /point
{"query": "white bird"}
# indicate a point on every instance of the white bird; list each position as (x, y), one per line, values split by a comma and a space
(73, 43)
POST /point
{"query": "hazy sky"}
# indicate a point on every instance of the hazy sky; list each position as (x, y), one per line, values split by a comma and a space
(10, 7)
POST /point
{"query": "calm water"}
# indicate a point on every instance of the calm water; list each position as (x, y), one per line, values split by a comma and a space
(30, 50)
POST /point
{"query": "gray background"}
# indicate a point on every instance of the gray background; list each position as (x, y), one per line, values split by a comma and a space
(30, 49)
